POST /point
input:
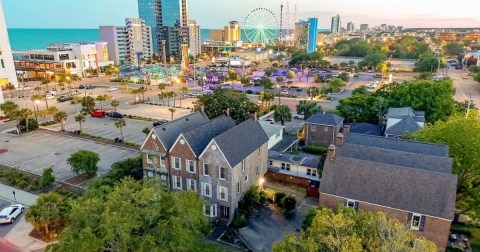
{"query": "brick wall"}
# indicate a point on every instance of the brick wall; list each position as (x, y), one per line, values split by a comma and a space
(436, 230)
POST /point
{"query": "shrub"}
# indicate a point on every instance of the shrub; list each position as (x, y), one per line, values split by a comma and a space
(84, 162)
(316, 149)
(47, 178)
(279, 197)
(307, 222)
(238, 221)
(250, 201)
(270, 195)
(32, 125)
(289, 203)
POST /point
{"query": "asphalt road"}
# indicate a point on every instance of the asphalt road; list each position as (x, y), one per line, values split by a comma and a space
(5, 228)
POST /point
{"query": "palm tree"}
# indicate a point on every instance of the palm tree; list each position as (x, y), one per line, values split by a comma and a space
(124, 85)
(101, 99)
(282, 114)
(88, 104)
(173, 95)
(120, 123)
(37, 89)
(51, 111)
(45, 211)
(16, 115)
(162, 97)
(184, 90)
(142, 91)
(134, 92)
(161, 87)
(61, 116)
(8, 108)
(115, 104)
(10, 87)
(80, 118)
(312, 92)
(172, 110)
(146, 131)
(61, 84)
(25, 115)
(307, 108)
(268, 96)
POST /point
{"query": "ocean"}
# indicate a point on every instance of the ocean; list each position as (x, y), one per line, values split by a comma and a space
(28, 39)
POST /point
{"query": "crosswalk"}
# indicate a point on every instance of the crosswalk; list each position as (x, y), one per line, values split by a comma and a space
(67, 127)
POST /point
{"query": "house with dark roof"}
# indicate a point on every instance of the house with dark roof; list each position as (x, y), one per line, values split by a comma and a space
(300, 170)
(403, 120)
(322, 129)
(274, 133)
(216, 158)
(409, 181)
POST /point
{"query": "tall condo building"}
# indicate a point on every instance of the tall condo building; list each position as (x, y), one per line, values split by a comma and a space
(312, 35)
(335, 27)
(170, 21)
(350, 27)
(363, 27)
(194, 34)
(131, 43)
(301, 34)
(232, 32)
(7, 68)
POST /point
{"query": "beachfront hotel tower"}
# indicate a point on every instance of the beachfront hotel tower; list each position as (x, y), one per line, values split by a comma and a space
(7, 68)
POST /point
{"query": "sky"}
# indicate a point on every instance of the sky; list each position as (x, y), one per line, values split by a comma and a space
(216, 13)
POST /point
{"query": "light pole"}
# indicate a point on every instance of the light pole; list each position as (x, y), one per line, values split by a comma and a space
(37, 102)
(279, 95)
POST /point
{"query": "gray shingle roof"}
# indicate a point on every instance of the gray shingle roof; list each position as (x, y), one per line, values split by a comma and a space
(438, 150)
(169, 132)
(366, 129)
(201, 136)
(301, 159)
(410, 120)
(240, 141)
(406, 175)
(270, 129)
(325, 118)
(408, 124)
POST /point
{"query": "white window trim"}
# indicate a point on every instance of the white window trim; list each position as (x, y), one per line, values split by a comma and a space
(179, 163)
(246, 180)
(219, 193)
(148, 161)
(194, 184)
(160, 161)
(150, 174)
(174, 182)
(204, 186)
(419, 221)
(313, 127)
(239, 188)
(194, 166)
(213, 210)
(351, 201)
(220, 173)
(204, 174)
(243, 166)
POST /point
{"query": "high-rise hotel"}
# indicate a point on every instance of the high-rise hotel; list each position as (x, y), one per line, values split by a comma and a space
(7, 68)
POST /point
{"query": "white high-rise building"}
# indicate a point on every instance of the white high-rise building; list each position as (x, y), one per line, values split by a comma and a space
(194, 33)
(350, 27)
(335, 28)
(7, 67)
(129, 43)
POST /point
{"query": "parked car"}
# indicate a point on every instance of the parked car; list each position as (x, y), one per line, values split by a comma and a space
(90, 87)
(49, 97)
(74, 93)
(160, 122)
(81, 87)
(9, 214)
(299, 89)
(298, 116)
(114, 114)
(111, 89)
(458, 67)
(284, 92)
(98, 113)
(64, 98)
(371, 85)
(285, 87)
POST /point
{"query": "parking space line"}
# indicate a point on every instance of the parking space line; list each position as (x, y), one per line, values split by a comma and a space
(27, 161)
(43, 168)
(101, 148)
(128, 156)
(74, 142)
(108, 151)
(80, 147)
(118, 153)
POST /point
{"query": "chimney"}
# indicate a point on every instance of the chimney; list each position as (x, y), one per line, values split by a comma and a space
(331, 152)
(253, 115)
(346, 129)
(226, 111)
(339, 140)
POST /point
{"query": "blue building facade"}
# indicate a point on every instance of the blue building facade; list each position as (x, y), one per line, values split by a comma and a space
(312, 35)
(147, 12)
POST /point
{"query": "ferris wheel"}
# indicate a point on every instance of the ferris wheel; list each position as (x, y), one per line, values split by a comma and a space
(261, 26)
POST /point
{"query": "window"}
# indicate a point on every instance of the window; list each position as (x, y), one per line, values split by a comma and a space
(222, 173)
(238, 187)
(309, 172)
(210, 210)
(416, 222)
(162, 161)
(177, 182)
(256, 174)
(314, 172)
(191, 166)
(352, 203)
(149, 174)
(151, 159)
(176, 163)
(246, 178)
(312, 138)
(325, 128)
(288, 167)
(325, 140)
(283, 166)
(277, 135)
(223, 193)
(206, 170)
(207, 190)
(243, 165)
(192, 184)
(313, 127)
(3, 63)
(270, 162)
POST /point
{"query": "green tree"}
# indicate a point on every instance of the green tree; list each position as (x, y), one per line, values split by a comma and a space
(141, 91)
(464, 152)
(289, 203)
(268, 71)
(428, 63)
(136, 216)
(7, 108)
(162, 87)
(307, 108)
(282, 114)
(266, 83)
(80, 118)
(172, 111)
(360, 90)
(238, 103)
(474, 69)
(10, 87)
(101, 99)
(84, 162)
(45, 212)
(146, 131)
(47, 178)
(115, 104)
(348, 230)
(232, 74)
(131, 167)
(291, 75)
(250, 201)
(382, 68)
(88, 104)
(372, 60)
(477, 77)
(60, 117)
(26, 114)
(313, 92)
(453, 48)
(279, 80)
(362, 108)
(120, 123)
(335, 85)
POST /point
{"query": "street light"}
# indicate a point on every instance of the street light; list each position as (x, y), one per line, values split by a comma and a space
(279, 95)
(37, 102)
(261, 182)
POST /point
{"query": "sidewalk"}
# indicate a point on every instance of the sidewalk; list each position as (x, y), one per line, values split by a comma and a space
(19, 234)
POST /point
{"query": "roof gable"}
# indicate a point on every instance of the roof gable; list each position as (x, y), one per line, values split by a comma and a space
(408, 124)
(325, 118)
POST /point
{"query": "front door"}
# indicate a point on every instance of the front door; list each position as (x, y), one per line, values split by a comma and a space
(225, 212)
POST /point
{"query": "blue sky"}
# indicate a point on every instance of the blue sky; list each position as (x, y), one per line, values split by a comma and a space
(216, 13)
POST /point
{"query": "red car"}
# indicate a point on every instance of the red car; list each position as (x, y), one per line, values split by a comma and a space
(98, 113)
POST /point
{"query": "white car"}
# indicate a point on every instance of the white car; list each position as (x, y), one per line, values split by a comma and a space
(371, 85)
(298, 117)
(284, 92)
(336, 75)
(49, 96)
(111, 89)
(9, 214)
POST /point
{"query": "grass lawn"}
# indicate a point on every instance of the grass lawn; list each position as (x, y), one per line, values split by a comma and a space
(472, 231)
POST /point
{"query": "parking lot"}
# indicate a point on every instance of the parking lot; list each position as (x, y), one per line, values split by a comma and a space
(5, 228)
(38, 150)
(105, 127)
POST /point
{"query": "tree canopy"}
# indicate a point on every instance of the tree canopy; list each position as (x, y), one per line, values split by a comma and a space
(239, 104)
(135, 216)
(453, 48)
(353, 231)
(84, 162)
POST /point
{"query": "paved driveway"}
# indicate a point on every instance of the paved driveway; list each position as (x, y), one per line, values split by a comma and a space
(38, 150)
(5, 228)
(269, 225)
